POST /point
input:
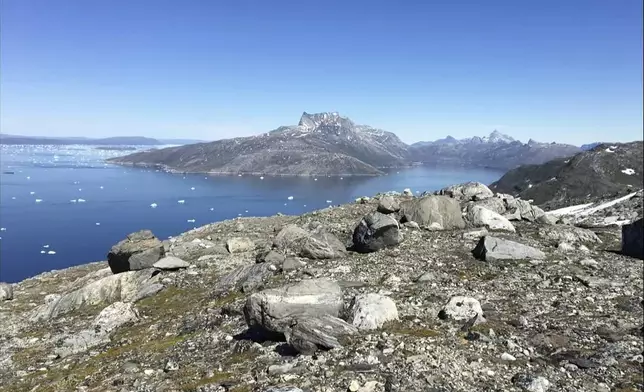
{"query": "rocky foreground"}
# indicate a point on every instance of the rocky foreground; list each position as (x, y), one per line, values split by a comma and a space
(460, 291)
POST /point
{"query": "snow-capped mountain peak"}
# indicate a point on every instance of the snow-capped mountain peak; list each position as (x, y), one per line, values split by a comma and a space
(498, 137)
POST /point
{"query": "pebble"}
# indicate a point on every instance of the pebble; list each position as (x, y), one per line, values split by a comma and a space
(508, 357)
(148, 372)
(354, 386)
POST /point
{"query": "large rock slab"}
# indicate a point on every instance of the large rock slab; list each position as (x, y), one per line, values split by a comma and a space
(290, 237)
(376, 231)
(240, 245)
(388, 204)
(633, 239)
(479, 216)
(371, 311)
(171, 263)
(275, 309)
(493, 204)
(429, 210)
(125, 287)
(114, 316)
(492, 248)
(467, 191)
(322, 245)
(193, 250)
(517, 209)
(309, 333)
(138, 251)
(567, 234)
(245, 278)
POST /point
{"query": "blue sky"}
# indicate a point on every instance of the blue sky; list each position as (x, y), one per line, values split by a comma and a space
(552, 70)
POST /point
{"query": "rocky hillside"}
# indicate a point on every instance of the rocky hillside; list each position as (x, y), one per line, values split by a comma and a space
(465, 290)
(321, 144)
(607, 170)
(497, 151)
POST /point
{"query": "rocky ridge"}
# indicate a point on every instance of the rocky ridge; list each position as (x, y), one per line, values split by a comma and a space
(458, 290)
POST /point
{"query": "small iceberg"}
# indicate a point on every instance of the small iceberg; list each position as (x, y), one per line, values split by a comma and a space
(191, 221)
(290, 197)
(29, 178)
(101, 187)
(261, 178)
(153, 205)
(42, 252)
(32, 193)
(80, 189)
(181, 202)
(38, 200)
(81, 200)
(315, 179)
(192, 189)
(212, 209)
(73, 201)
(3, 229)
(51, 252)
(45, 246)
(329, 201)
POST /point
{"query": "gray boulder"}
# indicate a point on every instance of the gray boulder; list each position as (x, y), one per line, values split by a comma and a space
(493, 248)
(467, 191)
(388, 204)
(548, 219)
(479, 216)
(271, 257)
(138, 251)
(79, 342)
(114, 316)
(276, 309)
(517, 209)
(282, 389)
(371, 311)
(376, 231)
(244, 278)
(442, 210)
(6, 291)
(290, 236)
(306, 334)
(193, 250)
(239, 245)
(170, 263)
(633, 239)
(125, 287)
(493, 204)
(568, 234)
(322, 245)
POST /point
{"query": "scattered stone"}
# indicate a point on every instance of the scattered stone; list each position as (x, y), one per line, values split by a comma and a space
(568, 234)
(290, 237)
(292, 264)
(592, 263)
(517, 209)
(171, 366)
(114, 316)
(171, 263)
(6, 291)
(282, 389)
(322, 245)
(245, 278)
(275, 309)
(138, 251)
(530, 383)
(388, 205)
(411, 225)
(508, 357)
(239, 245)
(433, 209)
(492, 249)
(371, 311)
(270, 256)
(475, 234)
(354, 386)
(462, 309)
(633, 239)
(480, 216)
(547, 219)
(307, 333)
(565, 247)
(376, 231)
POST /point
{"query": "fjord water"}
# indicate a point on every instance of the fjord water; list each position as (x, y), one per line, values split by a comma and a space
(81, 206)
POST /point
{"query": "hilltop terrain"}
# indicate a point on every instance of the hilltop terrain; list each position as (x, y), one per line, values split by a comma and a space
(465, 290)
(607, 170)
(110, 141)
(329, 144)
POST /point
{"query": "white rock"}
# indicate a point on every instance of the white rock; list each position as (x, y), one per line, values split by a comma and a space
(115, 315)
(6, 291)
(171, 263)
(480, 216)
(508, 357)
(462, 309)
(371, 311)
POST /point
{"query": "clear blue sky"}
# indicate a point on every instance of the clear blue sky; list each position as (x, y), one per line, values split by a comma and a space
(564, 70)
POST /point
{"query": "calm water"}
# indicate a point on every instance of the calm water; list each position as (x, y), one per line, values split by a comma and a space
(38, 215)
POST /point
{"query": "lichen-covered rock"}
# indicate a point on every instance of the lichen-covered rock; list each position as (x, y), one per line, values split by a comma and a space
(114, 316)
(376, 231)
(322, 245)
(171, 263)
(371, 311)
(492, 248)
(239, 245)
(138, 251)
(6, 291)
(433, 209)
(275, 309)
(462, 308)
(467, 191)
(388, 204)
(569, 234)
(479, 216)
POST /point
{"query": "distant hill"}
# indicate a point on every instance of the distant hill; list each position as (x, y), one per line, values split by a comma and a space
(589, 146)
(110, 141)
(181, 142)
(606, 169)
(496, 151)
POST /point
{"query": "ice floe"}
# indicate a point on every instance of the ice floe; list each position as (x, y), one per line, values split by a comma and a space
(153, 205)
(51, 252)
(3, 229)
(261, 178)
(73, 201)
(45, 246)
(38, 200)
(98, 223)
(82, 200)
(192, 189)
(33, 193)
(181, 202)
(290, 197)
(628, 171)
(329, 201)
(191, 221)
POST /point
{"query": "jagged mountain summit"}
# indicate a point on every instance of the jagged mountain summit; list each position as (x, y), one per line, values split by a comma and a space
(321, 144)
(606, 170)
(496, 151)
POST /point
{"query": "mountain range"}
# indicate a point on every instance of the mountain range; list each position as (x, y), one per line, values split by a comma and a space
(329, 144)
(110, 141)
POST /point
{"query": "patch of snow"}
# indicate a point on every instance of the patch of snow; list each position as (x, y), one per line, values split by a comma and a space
(609, 150)
(628, 172)
(607, 204)
(570, 210)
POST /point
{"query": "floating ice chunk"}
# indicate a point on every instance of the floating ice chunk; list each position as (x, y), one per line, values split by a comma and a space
(628, 172)
(32, 193)
(192, 189)
(42, 252)
(238, 214)
(98, 223)
(73, 201)
(261, 178)
(342, 178)
(38, 200)
(315, 179)
(212, 209)
(239, 175)
(80, 189)
(3, 229)
(51, 252)
(290, 197)
(529, 185)
(81, 200)
(191, 221)
(329, 201)
(29, 178)
(13, 198)
(153, 205)
(246, 211)
(101, 186)
(45, 246)
(304, 205)
(181, 202)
